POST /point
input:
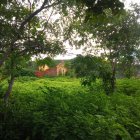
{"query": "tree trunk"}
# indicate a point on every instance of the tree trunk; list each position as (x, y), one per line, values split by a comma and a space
(113, 77)
(113, 80)
(9, 90)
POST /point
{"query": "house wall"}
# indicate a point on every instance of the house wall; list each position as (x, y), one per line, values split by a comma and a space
(43, 68)
(39, 73)
(51, 72)
(61, 70)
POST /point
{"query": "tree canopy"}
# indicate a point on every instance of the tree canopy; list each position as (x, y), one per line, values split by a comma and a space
(90, 68)
(20, 23)
(27, 27)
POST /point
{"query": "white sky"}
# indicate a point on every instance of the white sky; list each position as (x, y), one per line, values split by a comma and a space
(71, 52)
(127, 2)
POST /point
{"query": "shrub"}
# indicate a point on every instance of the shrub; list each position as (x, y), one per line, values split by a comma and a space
(58, 109)
(26, 72)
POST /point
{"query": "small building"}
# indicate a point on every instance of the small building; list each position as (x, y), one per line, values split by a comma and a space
(43, 68)
(58, 70)
(61, 69)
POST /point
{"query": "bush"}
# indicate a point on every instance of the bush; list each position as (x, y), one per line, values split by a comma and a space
(26, 72)
(129, 86)
(59, 109)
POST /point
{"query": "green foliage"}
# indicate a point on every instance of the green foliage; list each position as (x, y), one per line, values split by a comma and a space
(59, 108)
(90, 68)
(26, 72)
(22, 36)
(129, 86)
(46, 61)
(120, 39)
(24, 33)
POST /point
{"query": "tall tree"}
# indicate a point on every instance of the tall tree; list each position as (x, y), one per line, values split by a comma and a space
(117, 36)
(22, 35)
(25, 31)
(16, 17)
(120, 39)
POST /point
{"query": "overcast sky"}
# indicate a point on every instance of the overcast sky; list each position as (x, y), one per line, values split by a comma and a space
(73, 52)
(127, 2)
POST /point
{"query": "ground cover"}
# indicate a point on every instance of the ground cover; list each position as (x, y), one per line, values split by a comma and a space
(61, 109)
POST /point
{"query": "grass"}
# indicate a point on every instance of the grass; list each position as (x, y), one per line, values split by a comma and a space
(70, 85)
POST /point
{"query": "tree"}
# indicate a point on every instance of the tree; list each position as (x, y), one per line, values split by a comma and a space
(23, 31)
(118, 36)
(20, 36)
(120, 41)
(16, 26)
(90, 68)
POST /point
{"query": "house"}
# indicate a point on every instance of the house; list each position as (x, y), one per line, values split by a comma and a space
(61, 69)
(43, 68)
(58, 70)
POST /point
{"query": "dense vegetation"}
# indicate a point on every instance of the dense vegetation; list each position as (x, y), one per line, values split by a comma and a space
(62, 109)
(103, 107)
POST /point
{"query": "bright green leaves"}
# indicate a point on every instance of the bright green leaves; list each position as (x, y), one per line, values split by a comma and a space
(60, 108)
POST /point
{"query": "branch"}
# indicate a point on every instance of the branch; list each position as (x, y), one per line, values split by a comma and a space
(33, 14)
(51, 5)
(7, 53)
(37, 11)
(3, 59)
(29, 18)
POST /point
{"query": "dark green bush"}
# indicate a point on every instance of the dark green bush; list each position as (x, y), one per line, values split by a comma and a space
(26, 72)
(40, 111)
